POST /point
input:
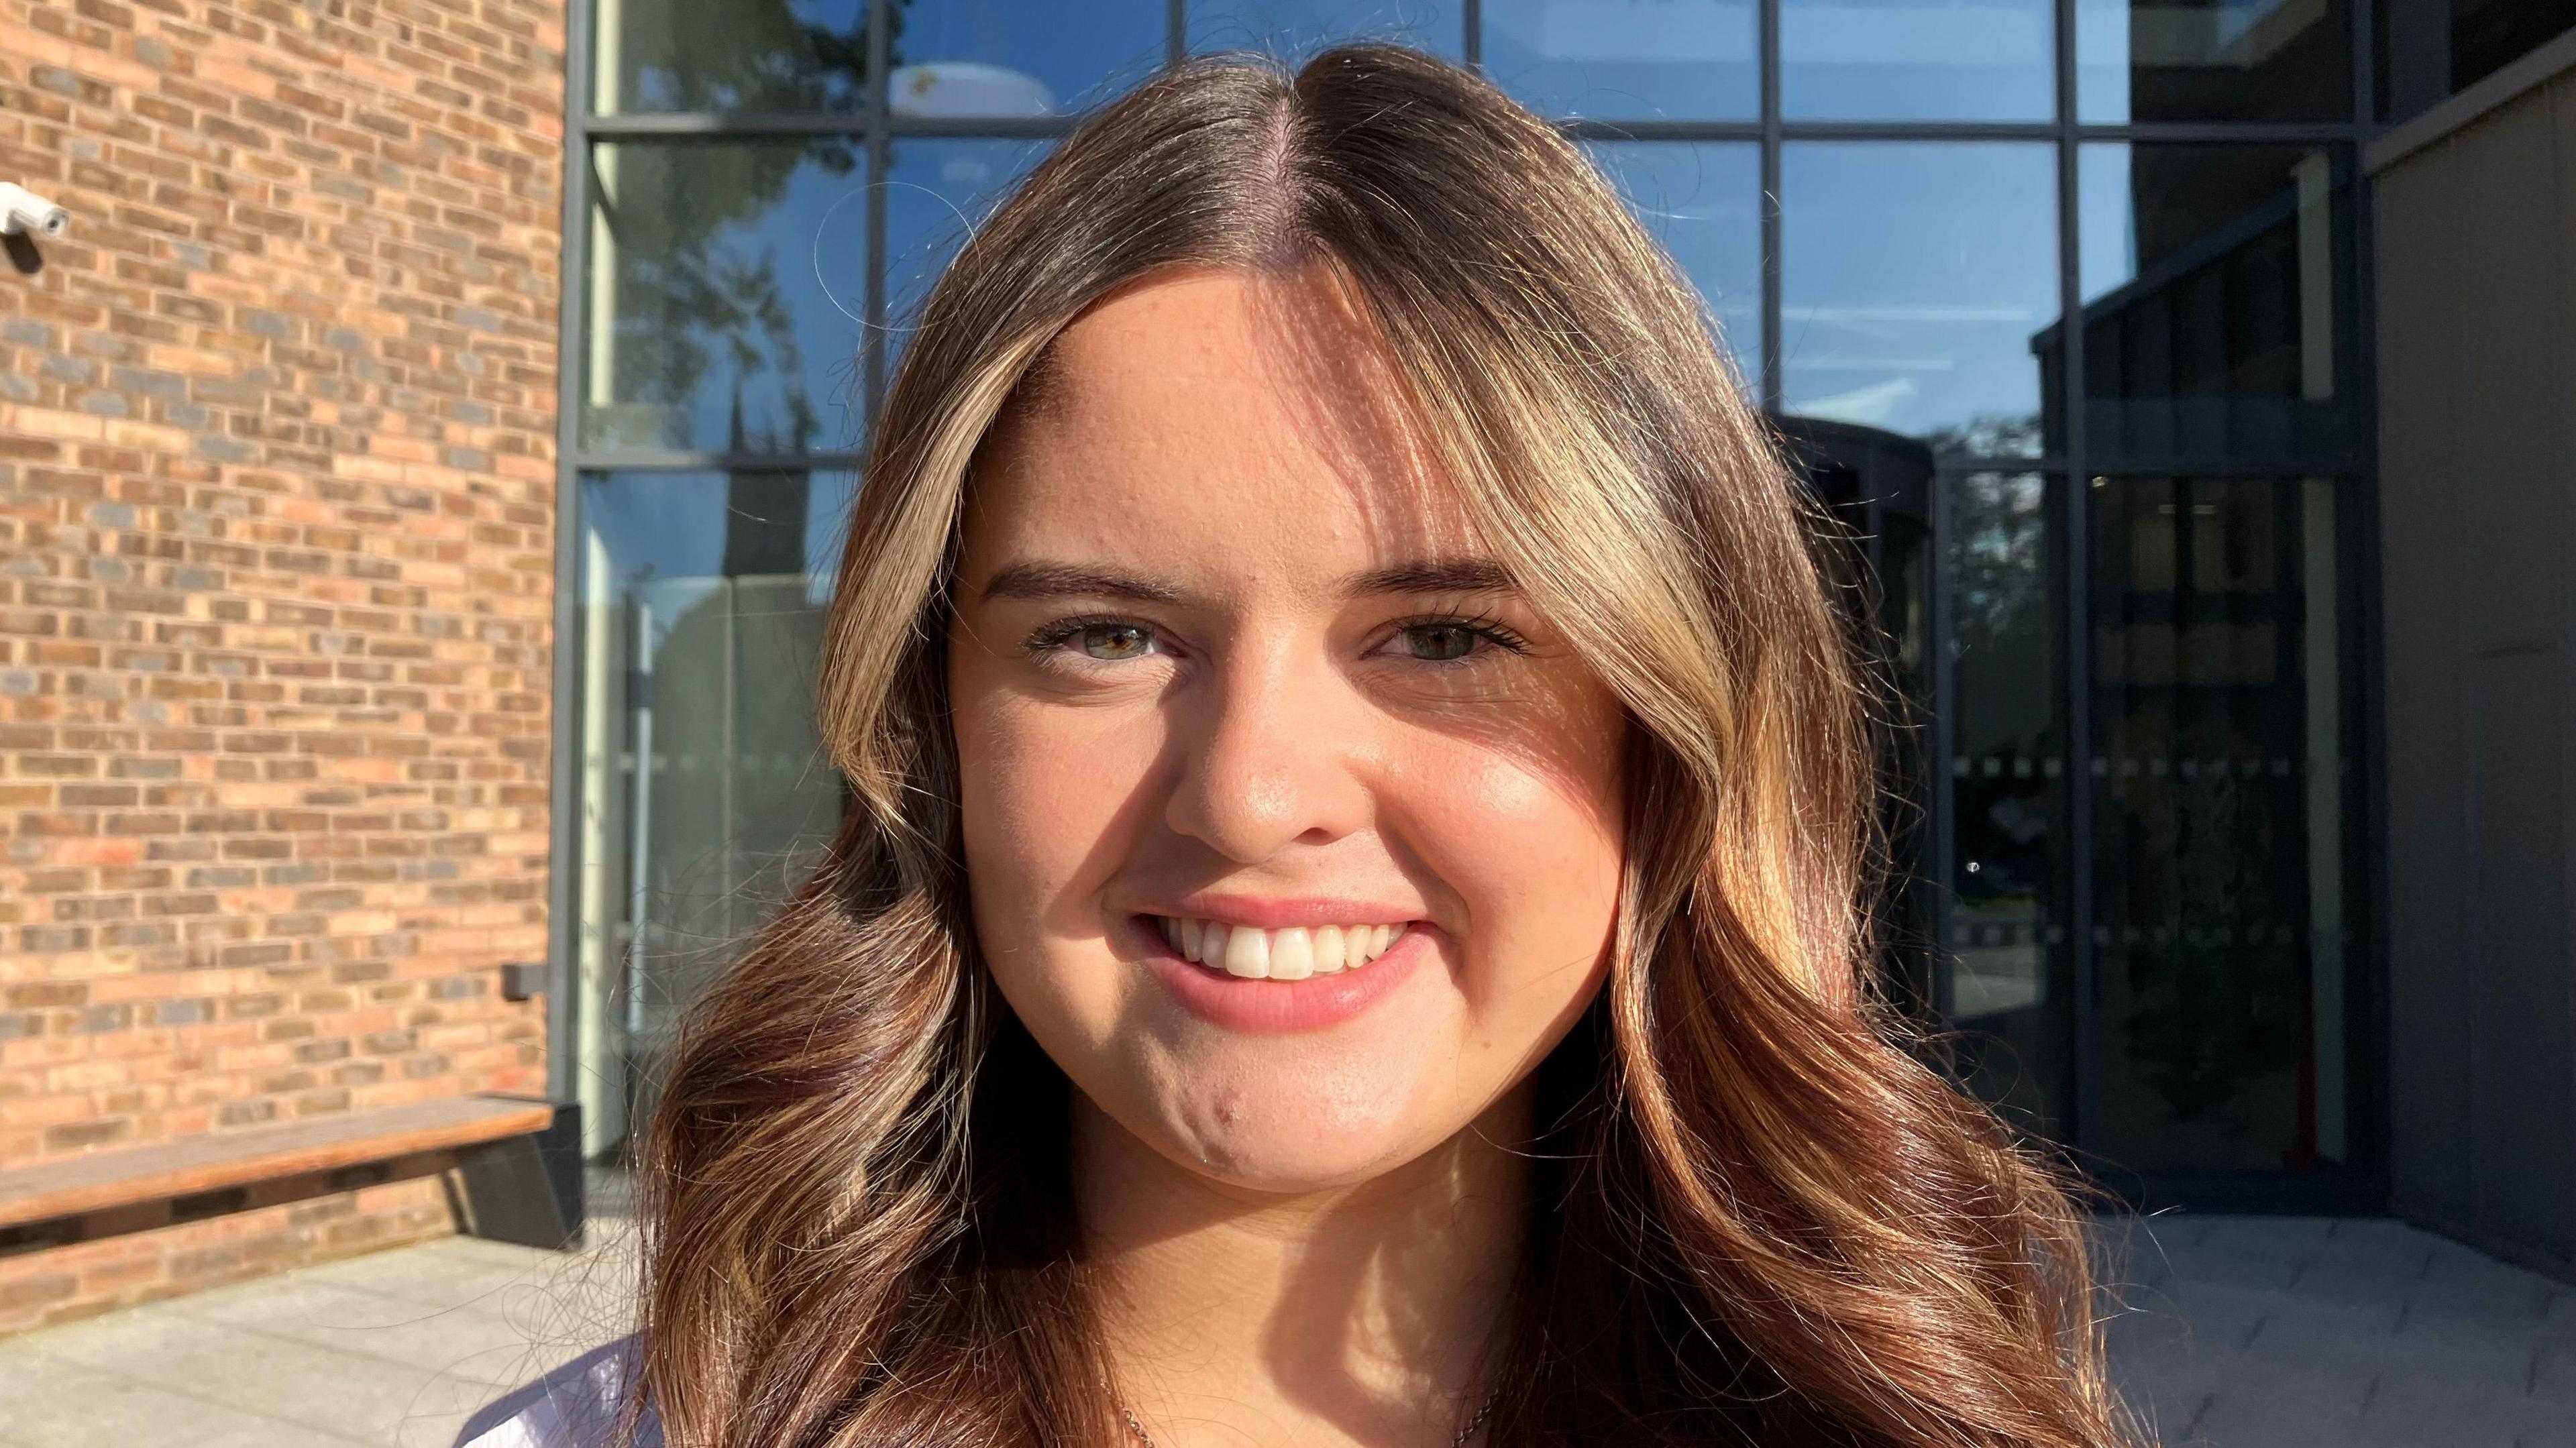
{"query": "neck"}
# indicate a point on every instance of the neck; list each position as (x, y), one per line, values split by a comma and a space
(1353, 1315)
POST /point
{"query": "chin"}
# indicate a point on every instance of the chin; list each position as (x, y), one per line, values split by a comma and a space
(1256, 1130)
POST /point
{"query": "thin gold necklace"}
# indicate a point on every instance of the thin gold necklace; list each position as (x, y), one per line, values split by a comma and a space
(1474, 1423)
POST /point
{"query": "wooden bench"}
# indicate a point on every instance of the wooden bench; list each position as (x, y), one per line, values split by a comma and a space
(520, 1159)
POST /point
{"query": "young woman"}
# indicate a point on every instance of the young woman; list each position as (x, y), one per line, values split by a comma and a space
(1350, 927)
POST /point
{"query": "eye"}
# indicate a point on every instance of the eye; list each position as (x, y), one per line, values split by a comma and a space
(1453, 640)
(1440, 643)
(1110, 640)
(1115, 640)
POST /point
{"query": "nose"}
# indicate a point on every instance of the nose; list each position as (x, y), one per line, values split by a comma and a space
(1270, 753)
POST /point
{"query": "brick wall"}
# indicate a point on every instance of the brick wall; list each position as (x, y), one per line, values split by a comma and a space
(276, 541)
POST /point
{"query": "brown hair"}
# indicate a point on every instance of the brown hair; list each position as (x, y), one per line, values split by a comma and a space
(1764, 1221)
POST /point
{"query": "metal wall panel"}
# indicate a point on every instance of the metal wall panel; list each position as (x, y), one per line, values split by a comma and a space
(2524, 1134)
(2429, 1060)
(2477, 360)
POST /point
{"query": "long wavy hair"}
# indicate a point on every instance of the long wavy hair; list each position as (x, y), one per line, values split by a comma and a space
(1759, 1218)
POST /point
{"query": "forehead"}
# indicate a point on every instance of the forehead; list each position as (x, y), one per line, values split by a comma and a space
(1202, 407)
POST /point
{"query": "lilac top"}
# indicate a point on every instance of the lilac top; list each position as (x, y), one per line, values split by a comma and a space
(573, 1406)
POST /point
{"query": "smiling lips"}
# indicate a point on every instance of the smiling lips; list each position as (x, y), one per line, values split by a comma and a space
(1291, 953)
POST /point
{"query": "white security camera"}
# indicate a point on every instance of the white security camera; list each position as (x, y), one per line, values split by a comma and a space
(24, 212)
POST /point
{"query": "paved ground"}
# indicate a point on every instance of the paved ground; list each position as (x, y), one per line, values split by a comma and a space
(395, 1348)
(2240, 1332)
(2317, 1332)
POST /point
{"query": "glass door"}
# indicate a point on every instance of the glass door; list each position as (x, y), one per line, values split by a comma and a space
(2225, 784)
(706, 797)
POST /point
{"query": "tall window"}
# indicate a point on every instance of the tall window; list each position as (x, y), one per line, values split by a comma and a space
(2055, 301)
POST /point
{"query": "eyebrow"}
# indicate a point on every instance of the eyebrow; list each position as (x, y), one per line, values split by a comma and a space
(1041, 579)
(1073, 580)
(1443, 575)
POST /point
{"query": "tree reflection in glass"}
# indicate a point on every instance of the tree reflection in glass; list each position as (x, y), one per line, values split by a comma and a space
(742, 55)
(726, 285)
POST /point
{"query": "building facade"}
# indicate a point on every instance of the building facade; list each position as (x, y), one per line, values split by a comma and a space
(352, 645)
(277, 479)
(2131, 559)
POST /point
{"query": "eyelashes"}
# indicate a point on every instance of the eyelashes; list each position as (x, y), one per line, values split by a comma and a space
(1486, 625)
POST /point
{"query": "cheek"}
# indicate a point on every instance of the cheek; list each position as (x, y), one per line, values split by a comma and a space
(1533, 847)
(1050, 800)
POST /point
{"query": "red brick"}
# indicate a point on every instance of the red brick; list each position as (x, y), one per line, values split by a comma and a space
(273, 660)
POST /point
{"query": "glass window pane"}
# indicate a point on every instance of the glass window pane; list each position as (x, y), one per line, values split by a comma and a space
(1294, 29)
(1918, 60)
(1703, 201)
(2226, 795)
(1627, 59)
(704, 791)
(2009, 849)
(726, 285)
(2218, 303)
(1915, 276)
(689, 55)
(964, 58)
(1879, 491)
(937, 193)
(2213, 60)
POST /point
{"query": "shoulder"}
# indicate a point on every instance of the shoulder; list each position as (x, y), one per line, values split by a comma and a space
(573, 1406)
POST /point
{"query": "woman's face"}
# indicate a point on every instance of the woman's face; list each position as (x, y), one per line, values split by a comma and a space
(1293, 832)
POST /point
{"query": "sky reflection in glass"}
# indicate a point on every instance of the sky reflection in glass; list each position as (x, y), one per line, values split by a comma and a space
(1915, 276)
(1918, 60)
(1627, 59)
(1703, 201)
(1295, 29)
(962, 58)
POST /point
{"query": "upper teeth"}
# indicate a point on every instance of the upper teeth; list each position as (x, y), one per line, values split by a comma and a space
(1293, 953)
